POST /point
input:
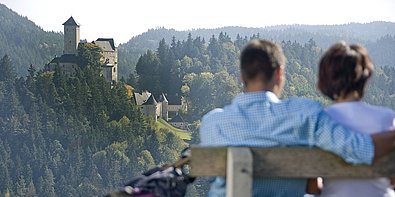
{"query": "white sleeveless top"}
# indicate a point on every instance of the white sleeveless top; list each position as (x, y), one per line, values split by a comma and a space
(364, 118)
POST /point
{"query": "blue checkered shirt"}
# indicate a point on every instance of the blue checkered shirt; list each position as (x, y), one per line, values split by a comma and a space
(260, 119)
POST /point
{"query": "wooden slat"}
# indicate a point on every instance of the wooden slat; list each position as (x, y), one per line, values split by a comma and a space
(290, 162)
(208, 161)
(239, 172)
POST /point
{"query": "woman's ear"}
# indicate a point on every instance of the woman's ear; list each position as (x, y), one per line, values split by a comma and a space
(242, 79)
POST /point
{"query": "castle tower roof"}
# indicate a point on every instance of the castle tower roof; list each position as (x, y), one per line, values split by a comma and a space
(71, 22)
(151, 101)
(141, 98)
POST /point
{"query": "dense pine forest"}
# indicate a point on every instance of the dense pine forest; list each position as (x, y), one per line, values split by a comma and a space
(25, 42)
(62, 136)
(82, 136)
(377, 37)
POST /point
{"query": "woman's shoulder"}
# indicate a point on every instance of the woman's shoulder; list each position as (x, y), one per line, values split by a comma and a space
(362, 107)
(362, 110)
(383, 111)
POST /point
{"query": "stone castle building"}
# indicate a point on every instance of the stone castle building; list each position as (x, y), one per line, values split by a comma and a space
(68, 62)
(160, 108)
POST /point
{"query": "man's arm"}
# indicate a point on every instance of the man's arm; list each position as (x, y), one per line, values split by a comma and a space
(352, 146)
(384, 143)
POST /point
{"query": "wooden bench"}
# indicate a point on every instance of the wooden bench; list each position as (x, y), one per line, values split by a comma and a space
(241, 164)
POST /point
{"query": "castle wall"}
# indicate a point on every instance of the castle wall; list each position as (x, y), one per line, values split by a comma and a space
(111, 58)
(67, 69)
(107, 73)
(174, 108)
(159, 110)
(165, 112)
(149, 110)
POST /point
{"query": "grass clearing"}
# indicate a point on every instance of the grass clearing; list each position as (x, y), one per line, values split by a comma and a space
(183, 134)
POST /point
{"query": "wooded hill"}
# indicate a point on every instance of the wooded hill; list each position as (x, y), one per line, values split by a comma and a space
(73, 136)
(25, 42)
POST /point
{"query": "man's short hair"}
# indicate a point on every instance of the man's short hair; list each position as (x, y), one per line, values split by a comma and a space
(344, 69)
(260, 58)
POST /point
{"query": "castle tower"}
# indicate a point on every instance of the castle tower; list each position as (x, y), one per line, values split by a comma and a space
(71, 36)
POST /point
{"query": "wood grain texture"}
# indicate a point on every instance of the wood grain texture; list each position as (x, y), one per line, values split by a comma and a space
(239, 172)
(208, 161)
(290, 162)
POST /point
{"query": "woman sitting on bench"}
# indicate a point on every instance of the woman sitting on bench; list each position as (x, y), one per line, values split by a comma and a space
(344, 71)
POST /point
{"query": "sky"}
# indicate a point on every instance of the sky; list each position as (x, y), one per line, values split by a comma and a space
(123, 19)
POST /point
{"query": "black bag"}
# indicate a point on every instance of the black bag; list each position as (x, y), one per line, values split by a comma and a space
(170, 181)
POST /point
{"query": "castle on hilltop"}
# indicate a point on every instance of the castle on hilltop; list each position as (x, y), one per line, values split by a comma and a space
(69, 60)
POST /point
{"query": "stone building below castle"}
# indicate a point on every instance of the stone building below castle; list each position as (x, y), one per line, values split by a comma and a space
(160, 108)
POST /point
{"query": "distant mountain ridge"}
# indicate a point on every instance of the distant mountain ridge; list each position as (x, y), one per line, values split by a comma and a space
(25, 42)
(300, 33)
(378, 37)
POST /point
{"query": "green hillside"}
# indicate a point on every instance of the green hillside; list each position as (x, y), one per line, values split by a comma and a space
(183, 134)
(25, 42)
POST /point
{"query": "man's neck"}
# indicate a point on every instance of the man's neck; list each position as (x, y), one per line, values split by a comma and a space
(260, 88)
(256, 89)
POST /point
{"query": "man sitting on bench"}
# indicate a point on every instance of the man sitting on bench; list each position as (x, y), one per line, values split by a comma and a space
(258, 118)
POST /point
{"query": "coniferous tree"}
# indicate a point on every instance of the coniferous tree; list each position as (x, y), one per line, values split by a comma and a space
(7, 73)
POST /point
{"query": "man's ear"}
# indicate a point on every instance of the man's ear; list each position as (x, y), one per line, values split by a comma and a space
(279, 73)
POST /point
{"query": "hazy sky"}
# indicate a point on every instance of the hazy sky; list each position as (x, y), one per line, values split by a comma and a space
(122, 19)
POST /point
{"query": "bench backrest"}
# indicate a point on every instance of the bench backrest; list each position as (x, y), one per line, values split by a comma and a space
(240, 165)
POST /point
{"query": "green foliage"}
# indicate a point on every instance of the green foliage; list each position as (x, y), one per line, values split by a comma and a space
(90, 55)
(7, 73)
(25, 42)
(372, 35)
(74, 136)
(206, 91)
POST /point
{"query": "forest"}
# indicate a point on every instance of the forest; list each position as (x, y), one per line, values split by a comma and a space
(78, 136)
(74, 136)
(82, 136)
